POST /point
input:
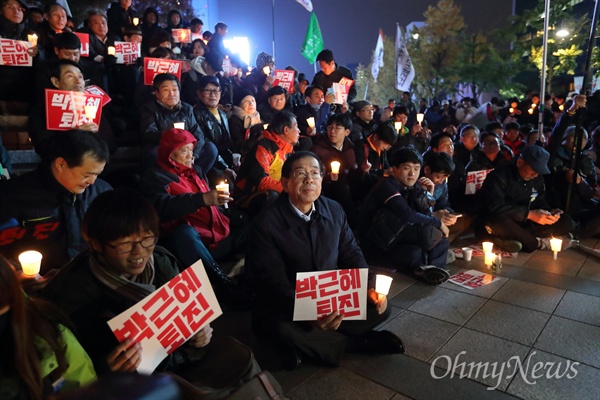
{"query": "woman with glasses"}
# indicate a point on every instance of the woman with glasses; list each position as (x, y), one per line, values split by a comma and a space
(122, 267)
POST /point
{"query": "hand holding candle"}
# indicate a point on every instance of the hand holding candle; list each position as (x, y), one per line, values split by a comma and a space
(266, 70)
(223, 189)
(31, 262)
(111, 51)
(420, 117)
(335, 170)
(398, 126)
(179, 125)
(135, 21)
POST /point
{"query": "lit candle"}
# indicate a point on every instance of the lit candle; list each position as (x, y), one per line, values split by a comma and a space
(179, 125)
(265, 126)
(311, 122)
(32, 39)
(420, 117)
(266, 70)
(111, 50)
(533, 105)
(555, 246)
(561, 107)
(31, 262)
(488, 247)
(382, 284)
(223, 189)
(335, 170)
(398, 126)
(136, 21)
(489, 259)
(511, 110)
(530, 111)
(90, 112)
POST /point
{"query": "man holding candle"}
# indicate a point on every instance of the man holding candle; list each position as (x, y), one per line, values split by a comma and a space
(64, 75)
(516, 214)
(363, 123)
(317, 238)
(334, 147)
(317, 107)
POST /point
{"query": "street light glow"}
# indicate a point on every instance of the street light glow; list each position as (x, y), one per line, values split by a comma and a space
(562, 33)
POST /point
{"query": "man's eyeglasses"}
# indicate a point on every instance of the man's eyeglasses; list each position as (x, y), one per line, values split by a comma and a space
(211, 91)
(302, 174)
(127, 247)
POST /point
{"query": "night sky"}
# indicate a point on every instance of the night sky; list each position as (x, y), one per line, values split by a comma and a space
(349, 27)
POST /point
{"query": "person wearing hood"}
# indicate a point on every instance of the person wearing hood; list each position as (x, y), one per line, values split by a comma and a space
(150, 27)
(175, 21)
(192, 224)
(260, 79)
(245, 123)
(120, 15)
(16, 83)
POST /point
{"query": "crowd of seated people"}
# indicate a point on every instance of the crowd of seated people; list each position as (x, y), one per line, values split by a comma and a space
(395, 179)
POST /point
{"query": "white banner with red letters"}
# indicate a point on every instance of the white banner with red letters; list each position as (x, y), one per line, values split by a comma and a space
(14, 53)
(182, 35)
(155, 66)
(472, 279)
(67, 110)
(85, 44)
(285, 79)
(475, 180)
(168, 317)
(341, 90)
(93, 89)
(318, 294)
(127, 52)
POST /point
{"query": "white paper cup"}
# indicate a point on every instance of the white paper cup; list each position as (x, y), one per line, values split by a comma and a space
(467, 253)
(382, 284)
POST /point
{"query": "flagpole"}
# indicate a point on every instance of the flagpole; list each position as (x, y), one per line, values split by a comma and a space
(273, 26)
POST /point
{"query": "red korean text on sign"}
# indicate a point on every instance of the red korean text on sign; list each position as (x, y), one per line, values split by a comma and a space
(155, 66)
(14, 53)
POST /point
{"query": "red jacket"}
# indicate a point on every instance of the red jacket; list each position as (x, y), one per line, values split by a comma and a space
(177, 193)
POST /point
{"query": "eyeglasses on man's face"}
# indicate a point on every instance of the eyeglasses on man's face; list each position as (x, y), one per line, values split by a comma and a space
(303, 174)
(15, 8)
(127, 247)
(210, 92)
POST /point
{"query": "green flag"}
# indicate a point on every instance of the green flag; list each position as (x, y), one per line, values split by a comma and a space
(313, 42)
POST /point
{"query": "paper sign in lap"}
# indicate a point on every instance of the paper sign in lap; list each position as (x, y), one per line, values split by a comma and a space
(318, 294)
(168, 317)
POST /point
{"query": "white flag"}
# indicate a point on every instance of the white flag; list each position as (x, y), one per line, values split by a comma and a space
(405, 72)
(306, 4)
(65, 5)
(377, 56)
